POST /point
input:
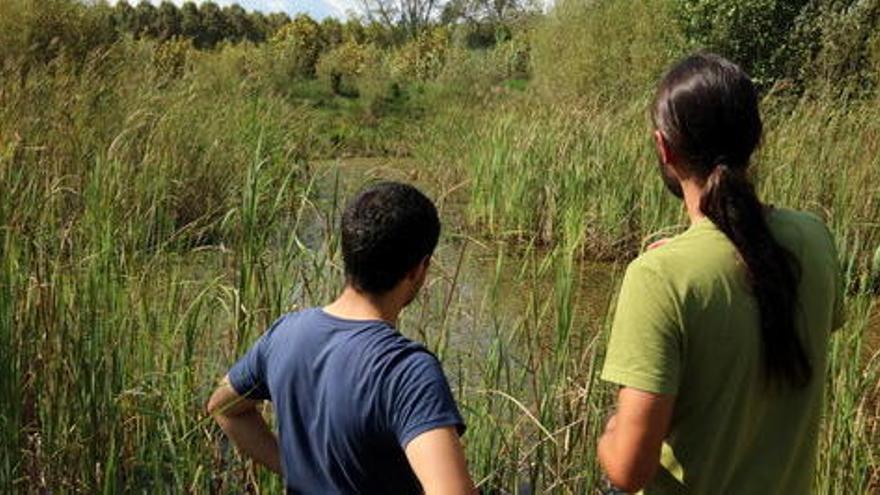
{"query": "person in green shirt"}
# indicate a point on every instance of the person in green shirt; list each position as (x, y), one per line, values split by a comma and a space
(720, 334)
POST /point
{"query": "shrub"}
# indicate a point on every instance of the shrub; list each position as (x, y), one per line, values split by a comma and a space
(37, 32)
(604, 51)
(474, 72)
(298, 46)
(754, 33)
(341, 67)
(381, 90)
(423, 58)
(169, 58)
(839, 43)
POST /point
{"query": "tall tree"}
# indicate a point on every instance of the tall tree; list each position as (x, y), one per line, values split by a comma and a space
(169, 20)
(123, 17)
(331, 32)
(214, 27)
(276, 21)
(145, 20)
(190, 20)
(379, 34)
(238, 25)
(410, 16)
(353, 31)
(259, 27)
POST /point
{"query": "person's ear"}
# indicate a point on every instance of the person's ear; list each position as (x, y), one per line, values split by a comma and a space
(668, 158)
(422, 269)
(419, 272)
(663, 149)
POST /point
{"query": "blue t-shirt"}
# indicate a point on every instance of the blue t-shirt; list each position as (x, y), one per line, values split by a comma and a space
(348, 396)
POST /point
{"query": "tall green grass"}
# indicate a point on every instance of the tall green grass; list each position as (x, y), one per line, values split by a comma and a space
(136, 263)
(590, 175)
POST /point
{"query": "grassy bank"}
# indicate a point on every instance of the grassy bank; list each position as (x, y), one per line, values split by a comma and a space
(588, 177)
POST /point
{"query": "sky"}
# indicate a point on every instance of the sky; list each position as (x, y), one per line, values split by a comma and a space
(318, 9)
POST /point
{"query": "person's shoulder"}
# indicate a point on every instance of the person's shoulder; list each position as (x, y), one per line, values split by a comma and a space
(419, 356)
(284, 327)
(649, 262)
(390, 349)
(652, 272)
(414, 365)
(698, 237)
(673, 257)
(402, 350)
(807, 224)
(378, 342)
(292, 318)
(696, 257)
(392, 360)
(788, 215)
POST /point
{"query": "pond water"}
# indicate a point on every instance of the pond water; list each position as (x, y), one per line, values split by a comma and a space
(475, 268)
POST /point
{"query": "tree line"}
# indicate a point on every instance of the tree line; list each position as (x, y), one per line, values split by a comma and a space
(389, 21)
(206, 24)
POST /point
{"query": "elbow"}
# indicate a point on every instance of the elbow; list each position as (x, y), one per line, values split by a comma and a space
(217, 408)
(462, 490)
(215, 404)
(632, 478)
(627, 473)
(628, 484)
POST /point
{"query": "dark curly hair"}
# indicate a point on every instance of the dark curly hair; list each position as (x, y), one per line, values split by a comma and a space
(387, 230)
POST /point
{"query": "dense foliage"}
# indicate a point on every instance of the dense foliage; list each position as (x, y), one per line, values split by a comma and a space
(801, 41)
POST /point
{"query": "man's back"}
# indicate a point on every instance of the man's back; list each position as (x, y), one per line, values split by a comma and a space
(688, 325)
(348, 396)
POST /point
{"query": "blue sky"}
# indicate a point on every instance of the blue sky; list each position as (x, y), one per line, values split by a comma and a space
(318, 9)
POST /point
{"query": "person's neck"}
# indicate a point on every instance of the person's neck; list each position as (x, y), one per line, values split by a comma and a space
(693, 194)
(353, 304)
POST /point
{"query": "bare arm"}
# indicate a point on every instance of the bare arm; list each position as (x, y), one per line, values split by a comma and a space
(629, 450)
(244, 425)
(437, 458)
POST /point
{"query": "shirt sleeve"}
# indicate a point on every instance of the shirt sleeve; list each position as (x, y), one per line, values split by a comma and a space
(645, 346)
(248, 375)
(420, 399)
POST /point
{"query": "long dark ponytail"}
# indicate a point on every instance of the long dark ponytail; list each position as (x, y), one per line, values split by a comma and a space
(706, 108)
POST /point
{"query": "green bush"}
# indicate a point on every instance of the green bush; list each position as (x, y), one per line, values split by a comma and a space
(341, 67)
(423, 58)
(754, 33)
(839, 45)
(606, 51)
(36, 32)
(475, 72)
(169, 58)
(298, 47)
(820, 44)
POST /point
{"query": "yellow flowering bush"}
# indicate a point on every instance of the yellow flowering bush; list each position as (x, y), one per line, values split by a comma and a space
(344, 65)
(423, 58)
(298, 46)
(169, 58)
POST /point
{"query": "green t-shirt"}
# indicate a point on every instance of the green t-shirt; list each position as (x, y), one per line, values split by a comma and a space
(686, 324)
